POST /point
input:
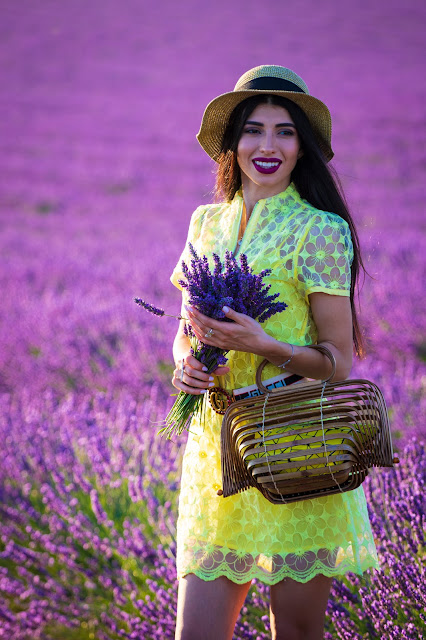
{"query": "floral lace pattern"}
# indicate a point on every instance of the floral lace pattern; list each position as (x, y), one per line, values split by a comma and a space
(245, 536)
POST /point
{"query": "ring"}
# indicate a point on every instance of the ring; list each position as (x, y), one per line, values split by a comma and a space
(182, 371)
(209, 333)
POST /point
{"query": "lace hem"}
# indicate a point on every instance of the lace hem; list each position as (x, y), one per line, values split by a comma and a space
(210, 563)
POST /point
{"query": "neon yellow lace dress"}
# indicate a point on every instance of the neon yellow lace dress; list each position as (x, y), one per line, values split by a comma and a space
(245, 536)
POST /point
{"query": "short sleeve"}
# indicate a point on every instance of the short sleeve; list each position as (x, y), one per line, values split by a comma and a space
(194, 232)
(324, 258)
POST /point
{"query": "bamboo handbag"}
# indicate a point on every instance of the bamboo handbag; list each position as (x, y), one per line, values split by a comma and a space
(308, 440)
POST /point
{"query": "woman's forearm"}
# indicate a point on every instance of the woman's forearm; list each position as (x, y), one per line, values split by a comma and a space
(181, 346)
(333, 318)
(307, 362)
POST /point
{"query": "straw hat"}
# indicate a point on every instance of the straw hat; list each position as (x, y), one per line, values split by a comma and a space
(266, 79)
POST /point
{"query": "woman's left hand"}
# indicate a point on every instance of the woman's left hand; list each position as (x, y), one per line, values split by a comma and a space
(242, 334)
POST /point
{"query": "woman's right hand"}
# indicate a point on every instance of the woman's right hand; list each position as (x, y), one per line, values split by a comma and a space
(195, 379)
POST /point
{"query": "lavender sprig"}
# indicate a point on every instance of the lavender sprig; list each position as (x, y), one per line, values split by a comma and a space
(155, 310)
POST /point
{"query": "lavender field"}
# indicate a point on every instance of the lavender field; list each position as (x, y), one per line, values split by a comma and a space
(100, 172)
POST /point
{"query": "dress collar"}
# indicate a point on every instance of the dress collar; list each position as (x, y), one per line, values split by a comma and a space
(290, 192)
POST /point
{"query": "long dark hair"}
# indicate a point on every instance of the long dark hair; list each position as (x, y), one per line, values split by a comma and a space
(315, 181)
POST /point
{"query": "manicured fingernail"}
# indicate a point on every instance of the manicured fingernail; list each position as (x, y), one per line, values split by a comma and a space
(211, 384)
(225, 309)
(203, 391)
(211, 378)
(205, 369)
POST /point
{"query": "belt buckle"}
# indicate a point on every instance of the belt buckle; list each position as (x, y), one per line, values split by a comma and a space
(220, 399)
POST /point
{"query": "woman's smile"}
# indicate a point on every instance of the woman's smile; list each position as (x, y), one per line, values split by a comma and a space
(266, 165)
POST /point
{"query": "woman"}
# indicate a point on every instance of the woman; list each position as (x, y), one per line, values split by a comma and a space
(280, 206)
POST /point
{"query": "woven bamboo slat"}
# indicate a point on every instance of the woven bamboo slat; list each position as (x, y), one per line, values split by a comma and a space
(308, 440)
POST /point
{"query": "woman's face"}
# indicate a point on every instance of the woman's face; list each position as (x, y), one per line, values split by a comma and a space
(268, 150)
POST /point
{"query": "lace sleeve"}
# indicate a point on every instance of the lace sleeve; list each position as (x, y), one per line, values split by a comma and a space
(324, 259)
(193, 234)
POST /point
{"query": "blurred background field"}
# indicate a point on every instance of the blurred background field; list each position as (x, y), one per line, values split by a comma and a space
(100, 172)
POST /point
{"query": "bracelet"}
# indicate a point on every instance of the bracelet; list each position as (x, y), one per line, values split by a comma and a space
(284, 364)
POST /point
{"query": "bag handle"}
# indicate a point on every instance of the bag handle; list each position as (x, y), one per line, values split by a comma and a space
(319, 347)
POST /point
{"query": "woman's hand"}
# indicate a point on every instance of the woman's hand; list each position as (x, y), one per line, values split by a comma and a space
(243, 334)
(191, 376)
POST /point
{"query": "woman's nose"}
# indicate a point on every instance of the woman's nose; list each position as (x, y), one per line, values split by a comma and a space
(267, 143)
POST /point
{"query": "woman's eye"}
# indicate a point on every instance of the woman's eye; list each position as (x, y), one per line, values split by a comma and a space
(287, 132)
(251, 130)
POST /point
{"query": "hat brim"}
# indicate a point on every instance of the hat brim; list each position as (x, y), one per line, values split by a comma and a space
(218, 111)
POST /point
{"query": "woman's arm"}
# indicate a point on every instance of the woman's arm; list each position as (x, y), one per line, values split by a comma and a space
(332, 316)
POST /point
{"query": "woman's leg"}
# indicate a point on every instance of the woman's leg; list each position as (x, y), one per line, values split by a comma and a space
(208, 610)
(298, 609)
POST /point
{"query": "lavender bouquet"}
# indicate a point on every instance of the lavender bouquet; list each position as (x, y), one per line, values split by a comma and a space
(232, 284)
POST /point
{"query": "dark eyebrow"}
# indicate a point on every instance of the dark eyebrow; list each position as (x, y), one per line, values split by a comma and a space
(260, 124)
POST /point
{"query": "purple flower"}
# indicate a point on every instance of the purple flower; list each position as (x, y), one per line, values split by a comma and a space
(150, 307)
(231, 283)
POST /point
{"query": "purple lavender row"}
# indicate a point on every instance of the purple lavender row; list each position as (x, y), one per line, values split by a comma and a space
(87, 530)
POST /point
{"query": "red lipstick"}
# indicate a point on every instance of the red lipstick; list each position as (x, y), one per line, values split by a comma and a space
(266, 165)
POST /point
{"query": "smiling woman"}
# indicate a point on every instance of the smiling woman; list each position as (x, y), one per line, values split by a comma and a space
(279, 204)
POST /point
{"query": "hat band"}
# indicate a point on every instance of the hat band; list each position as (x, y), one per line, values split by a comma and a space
(269, 84)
